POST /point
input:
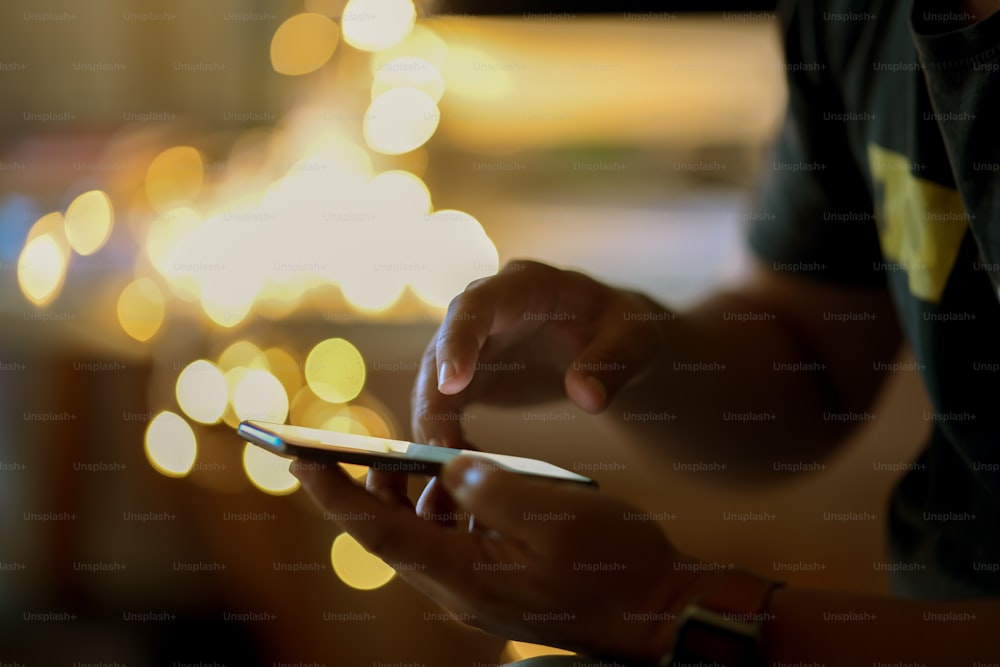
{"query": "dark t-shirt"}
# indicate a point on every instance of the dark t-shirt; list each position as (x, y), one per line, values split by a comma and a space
(887, 172)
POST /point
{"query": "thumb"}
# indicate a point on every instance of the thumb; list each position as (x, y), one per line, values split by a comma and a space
(510, 503)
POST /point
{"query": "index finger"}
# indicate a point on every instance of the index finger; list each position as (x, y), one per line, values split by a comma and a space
(489, 307)
(435, 416)
(390, 531)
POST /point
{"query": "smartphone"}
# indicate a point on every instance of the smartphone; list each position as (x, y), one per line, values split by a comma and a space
(314, 444)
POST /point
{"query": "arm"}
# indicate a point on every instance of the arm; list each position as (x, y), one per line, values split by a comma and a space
(806, 355)
(568, 566)
(806, 627)
(534, 333)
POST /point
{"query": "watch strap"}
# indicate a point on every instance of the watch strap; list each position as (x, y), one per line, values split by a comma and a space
(723, 626)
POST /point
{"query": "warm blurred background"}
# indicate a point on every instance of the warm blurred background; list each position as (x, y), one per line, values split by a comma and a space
(211, 211)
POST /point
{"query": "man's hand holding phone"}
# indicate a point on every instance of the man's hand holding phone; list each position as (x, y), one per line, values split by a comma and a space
(551, 563)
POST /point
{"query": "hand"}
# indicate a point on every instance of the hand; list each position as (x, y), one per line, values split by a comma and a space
(529, 334)
(552, 563)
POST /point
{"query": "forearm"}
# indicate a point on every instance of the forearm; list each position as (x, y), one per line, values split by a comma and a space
(713, 392)
(832, 629)
(748, 379)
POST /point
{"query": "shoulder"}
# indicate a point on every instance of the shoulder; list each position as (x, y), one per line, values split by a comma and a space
(842, 35)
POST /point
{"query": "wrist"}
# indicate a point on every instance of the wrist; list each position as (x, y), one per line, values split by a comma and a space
(688, 579)
(724, 622)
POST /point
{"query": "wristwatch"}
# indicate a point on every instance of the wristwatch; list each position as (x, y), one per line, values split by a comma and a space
(723, 627)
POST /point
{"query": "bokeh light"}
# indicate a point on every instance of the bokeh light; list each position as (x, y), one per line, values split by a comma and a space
(170, 444)
(88, 222)
(201, 391)
(41, 269)
(233, 377)
(328, 7)
(356, 567)
(399, 195)
(242, 353)
(369, 422)
(400, 120)
(174, 178)
(285, 368)
(164, 233)
(268, 472)
(308, 409)
(303, 43)
(51, 224)
(373, 289)
(409, 72)
(422, 42)
(141, 309)
(373, 25)
(259, 395)
(335, 370)
(447, 272)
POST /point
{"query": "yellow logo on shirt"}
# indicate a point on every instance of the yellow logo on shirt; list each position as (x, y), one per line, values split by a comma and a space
(920, 224)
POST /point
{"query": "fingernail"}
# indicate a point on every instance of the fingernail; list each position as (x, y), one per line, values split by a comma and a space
(434, 442)
(445, 372)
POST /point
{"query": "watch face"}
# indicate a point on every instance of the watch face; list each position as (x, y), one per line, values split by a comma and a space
(704, 642)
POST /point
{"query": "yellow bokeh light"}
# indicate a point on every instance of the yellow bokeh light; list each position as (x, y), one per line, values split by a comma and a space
(335, 370)
(52, 224)
(201, 391)
(356, 567)
(373, 290)
(303, 44)
(447, 273)
(242, 353)
(397, 195)
(41, 269)
(259, 395)
(88, 222)
(268, 472)
(174, 177)
(328, 7)
(233, 377)
(400, 120)
(165, 232)
(170, 444)
(310, 410)
(141, 308)
(409, 72)
(370, 421)
(227, 316)
(525, 650)
(227, 294)
(374, 25)
(285, 368)
(422, 42)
